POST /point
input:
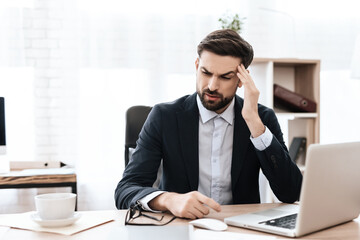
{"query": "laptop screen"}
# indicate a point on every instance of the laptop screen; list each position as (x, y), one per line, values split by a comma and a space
(2, 124)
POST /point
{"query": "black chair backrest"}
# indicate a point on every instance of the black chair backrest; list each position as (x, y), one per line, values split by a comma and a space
(135, 119)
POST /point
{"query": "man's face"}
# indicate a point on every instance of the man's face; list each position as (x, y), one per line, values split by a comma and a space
(216, 80)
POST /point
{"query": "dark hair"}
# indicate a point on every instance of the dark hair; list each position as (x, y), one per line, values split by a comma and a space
(227, 42)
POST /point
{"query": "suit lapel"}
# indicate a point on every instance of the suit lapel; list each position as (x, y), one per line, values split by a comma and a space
(240, 144)
(188, 128)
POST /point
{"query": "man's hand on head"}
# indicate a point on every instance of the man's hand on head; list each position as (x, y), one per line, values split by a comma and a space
(251, 97)
(189, 205)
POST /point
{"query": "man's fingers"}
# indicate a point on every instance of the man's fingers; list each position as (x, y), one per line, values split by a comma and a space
(190, 205)
(242, 74)
(193, 212)
(241, 77)
(210, 202)
(246, 79)
(197, 213)
(244, 69)
(203, 209)
(190, 215)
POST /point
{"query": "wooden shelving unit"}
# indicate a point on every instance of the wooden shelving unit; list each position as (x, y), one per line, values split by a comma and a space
(301, 76)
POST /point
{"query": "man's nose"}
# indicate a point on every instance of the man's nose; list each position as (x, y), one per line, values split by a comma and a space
(213, 83)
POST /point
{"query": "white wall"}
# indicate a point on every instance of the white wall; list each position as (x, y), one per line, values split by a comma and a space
(324, 30)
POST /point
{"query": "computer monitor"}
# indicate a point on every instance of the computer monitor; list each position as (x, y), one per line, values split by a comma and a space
(2, 126)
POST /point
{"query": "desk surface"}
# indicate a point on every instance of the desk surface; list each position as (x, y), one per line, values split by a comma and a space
(350, 230)
(37, 176)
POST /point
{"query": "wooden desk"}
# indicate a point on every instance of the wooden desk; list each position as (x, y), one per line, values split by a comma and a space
(350, 230)
(39, 178)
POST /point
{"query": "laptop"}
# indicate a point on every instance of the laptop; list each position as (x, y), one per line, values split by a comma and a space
(330, 195)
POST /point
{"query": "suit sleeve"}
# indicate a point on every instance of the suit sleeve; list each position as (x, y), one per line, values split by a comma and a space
(283, 174)
(141, 172)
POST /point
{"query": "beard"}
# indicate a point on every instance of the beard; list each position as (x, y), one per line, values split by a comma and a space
(213, 105)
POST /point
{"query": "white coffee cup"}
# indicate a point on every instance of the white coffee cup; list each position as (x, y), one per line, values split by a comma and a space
(53, 206)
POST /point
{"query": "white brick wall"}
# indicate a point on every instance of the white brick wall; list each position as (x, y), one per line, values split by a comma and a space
(328, 36)
(36, 53)
(47, 52)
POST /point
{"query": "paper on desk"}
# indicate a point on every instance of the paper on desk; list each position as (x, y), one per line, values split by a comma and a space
(87, 220)
(200, 234)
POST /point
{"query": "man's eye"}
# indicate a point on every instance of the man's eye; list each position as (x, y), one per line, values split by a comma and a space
(227, 78)
(206, 73)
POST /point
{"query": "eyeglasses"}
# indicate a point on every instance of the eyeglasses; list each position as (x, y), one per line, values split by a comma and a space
(136, 212)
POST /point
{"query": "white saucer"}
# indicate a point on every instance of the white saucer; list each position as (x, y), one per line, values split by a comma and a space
(55, 223)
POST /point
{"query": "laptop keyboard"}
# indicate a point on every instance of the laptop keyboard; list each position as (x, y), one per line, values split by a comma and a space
(283, 222)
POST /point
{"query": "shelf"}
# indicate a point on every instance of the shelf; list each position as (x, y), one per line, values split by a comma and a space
(301, 76)
(286, 61)
(293, 115)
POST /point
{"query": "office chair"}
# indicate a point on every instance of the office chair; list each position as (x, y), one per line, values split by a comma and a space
(135, 119)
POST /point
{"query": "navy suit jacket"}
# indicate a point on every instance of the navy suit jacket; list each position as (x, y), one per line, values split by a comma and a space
(170, 133)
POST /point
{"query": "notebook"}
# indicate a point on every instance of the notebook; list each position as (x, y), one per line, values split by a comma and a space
(329, 195)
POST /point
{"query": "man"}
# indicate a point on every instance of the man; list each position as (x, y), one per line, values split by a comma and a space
(212, 143)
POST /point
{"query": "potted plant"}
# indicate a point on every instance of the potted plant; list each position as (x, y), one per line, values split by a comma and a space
(233, 22)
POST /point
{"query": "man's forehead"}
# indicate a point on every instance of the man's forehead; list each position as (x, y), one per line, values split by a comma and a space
(218, 64)
(218, 68)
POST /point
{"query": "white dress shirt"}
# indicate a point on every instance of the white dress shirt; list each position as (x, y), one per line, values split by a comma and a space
(216, 133)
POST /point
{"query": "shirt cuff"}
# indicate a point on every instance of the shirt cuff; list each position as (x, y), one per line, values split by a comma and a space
(145, 200)
(263, 141)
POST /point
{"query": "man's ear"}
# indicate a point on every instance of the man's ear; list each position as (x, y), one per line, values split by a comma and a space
(197, 63)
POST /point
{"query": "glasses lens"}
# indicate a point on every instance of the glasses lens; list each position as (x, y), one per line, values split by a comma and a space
(131, 214)
(152, 217)
(127, 217)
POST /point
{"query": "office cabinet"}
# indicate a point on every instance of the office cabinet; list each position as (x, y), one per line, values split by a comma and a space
(301, 76)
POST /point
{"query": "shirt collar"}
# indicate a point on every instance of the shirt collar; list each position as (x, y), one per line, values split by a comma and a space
(206, 115)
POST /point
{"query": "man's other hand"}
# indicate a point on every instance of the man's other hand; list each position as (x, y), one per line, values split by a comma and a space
(251, 98)
(189, 205)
